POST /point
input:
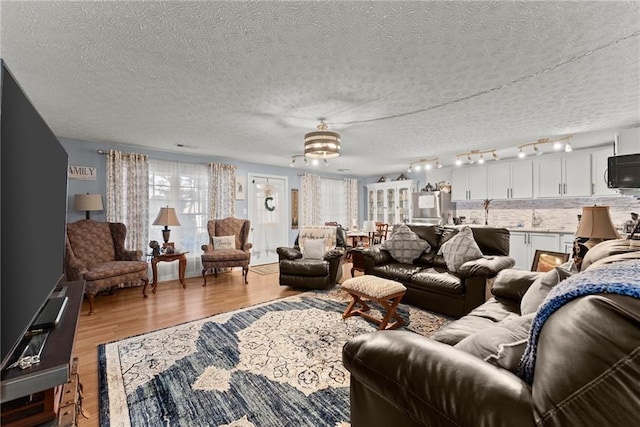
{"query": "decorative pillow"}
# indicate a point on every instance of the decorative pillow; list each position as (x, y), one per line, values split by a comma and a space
(539, 289)
(221, 243)
(328, 233)
(314, 249)
(405, 245)
(459, 249)
(502, 344)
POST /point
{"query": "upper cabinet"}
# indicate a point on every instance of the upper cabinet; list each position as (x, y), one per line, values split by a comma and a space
(469, 183)
(564, 176)
(510, 180)
(599, 172)
(390, 202)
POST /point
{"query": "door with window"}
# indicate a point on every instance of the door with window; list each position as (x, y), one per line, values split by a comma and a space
(268, 204)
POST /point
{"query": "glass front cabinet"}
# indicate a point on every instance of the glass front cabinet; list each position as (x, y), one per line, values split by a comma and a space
(390, 202)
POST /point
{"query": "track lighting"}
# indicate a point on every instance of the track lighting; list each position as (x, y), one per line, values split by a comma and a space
(557, 145)
(471, 156)
(427, 163)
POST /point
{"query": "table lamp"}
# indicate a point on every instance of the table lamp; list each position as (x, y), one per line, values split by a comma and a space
(87, 202)
(596, 225)
(370, 228)
(167, 216)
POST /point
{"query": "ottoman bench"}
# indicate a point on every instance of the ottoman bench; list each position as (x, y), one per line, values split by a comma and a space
(387, 293)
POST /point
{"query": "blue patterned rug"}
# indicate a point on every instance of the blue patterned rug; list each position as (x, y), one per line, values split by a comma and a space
(273, 364)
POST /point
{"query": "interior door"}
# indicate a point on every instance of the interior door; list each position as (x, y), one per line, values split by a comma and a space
(268, 205)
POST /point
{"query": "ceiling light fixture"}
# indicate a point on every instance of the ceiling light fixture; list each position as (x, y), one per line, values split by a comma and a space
(471, 156)
(557, 144)
(427, 163)
(322, 144)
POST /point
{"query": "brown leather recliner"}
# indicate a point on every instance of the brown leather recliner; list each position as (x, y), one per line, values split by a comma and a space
(299, 272)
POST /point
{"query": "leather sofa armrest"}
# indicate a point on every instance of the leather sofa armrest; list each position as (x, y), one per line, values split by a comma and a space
(207, 248)
(434, 383)
(334, 254)
(288, 253)
(376, 255)
(512, 284)
(486, 266)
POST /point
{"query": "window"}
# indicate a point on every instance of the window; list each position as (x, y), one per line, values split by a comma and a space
(185, 187)
(333, 201)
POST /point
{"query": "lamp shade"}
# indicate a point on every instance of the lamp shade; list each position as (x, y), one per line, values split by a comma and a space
(167, 216)
(87, 202)
(322, 143)
(596, 225)
(369, 226)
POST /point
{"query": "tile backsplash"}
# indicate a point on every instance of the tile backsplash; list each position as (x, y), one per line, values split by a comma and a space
(554, 214)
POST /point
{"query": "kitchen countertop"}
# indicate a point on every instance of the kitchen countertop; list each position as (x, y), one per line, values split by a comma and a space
(541, 230)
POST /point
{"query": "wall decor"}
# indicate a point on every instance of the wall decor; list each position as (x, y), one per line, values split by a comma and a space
(294, 208)
(241, 184)
(87, 173)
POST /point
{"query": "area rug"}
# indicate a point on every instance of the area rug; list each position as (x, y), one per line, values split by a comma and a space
(273, 364)
(266, 268)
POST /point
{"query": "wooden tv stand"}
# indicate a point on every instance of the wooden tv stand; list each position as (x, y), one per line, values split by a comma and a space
(54, 368)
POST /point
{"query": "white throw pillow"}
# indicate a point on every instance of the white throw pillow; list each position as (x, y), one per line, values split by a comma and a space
(459, 249)
(222, 243)
(537, 292)
(314, 249)
(405, 245)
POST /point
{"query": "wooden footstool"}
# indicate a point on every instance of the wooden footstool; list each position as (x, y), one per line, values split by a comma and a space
(387, 293)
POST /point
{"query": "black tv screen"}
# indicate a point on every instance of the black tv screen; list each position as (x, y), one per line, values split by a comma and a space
(33, 167)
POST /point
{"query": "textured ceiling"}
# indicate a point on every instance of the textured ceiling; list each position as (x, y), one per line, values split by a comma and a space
(246, 80)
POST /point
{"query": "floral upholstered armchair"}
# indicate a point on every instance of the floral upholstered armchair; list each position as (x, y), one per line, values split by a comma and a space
(228, 246)
(95, 253)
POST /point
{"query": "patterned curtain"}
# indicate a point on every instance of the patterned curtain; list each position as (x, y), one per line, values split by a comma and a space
(222, 184)
(128, 195)
(310, 200)
(351, 192)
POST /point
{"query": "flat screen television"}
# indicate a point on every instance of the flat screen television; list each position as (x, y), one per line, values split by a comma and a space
(33, 203)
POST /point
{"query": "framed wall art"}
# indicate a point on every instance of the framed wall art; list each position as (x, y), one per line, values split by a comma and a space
(241, 184)
(294, 208)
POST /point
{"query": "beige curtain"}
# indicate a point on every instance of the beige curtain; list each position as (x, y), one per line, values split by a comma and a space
(222, 185)
(351, 205)
(128, 195)
(310, 200)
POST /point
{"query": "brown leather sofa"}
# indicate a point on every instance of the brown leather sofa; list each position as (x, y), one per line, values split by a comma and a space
(430, 285)
(587, 369)
(299, 272)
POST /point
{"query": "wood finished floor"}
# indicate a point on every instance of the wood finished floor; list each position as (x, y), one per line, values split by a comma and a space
(126, 313)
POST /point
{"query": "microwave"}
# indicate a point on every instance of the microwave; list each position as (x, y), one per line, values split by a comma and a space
(623, 171)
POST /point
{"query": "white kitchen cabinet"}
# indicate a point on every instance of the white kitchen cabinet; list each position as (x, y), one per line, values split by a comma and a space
(599, 172)
(510, 180)
(390, 202)
(563, 176)
(469, 183)
(523, 245)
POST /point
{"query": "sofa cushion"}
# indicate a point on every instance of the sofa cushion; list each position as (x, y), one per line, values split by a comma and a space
(484, 316)
(539, 289)
(608, 248)
(396, 271)
(314, 249)
(405, 245)
(460, 249)
(439, 281)
(488, 344)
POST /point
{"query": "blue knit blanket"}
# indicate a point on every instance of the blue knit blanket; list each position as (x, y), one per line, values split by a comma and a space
(617, 278)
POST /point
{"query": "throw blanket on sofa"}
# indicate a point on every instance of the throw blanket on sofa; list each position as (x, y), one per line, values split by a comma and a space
(617, 278)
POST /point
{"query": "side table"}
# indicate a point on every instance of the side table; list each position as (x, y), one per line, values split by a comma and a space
(155, 259)
(357, 260)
